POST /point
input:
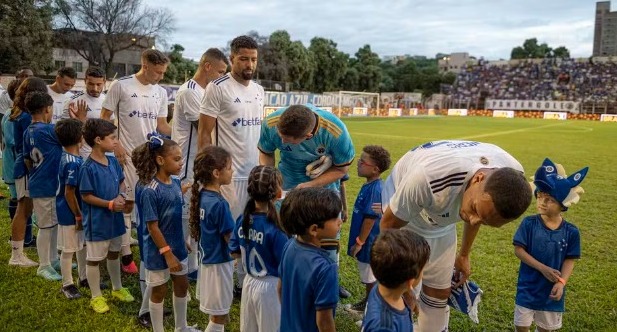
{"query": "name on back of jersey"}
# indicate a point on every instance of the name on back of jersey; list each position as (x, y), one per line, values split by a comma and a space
(254, 235)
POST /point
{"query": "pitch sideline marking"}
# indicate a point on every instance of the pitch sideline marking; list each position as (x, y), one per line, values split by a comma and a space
(507, 132)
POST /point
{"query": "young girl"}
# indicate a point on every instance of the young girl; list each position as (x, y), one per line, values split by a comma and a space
(159, 200)
(261, 242)
(211, 224)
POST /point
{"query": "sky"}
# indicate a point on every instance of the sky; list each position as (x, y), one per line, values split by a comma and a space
(483, 28)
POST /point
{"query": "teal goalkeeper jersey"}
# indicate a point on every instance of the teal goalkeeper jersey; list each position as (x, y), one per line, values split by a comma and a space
(330, 138)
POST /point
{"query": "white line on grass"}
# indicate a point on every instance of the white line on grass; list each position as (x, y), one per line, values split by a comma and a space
(507, 132)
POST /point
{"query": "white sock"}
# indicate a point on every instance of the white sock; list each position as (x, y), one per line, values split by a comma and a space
(94, 279)
(434, 314)
(42, 247)
(66, 269)
(240, 274)
(142, 278)
(156, 316)
(126, 238)
(193, 263)
(53, 244)
(214, 327)
(113, 267)
(145, 300)
(180, 304)
(17, 248)
(81, 263)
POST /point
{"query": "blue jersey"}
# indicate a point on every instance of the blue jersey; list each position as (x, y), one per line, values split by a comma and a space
(42, 148)
(68, 176)
(369, 193)
(330, 138)
(20, 124)
(549, 247)
(262, 250)
(215, 222)
(381, 317)
(8, 153)
(162, 203)
(102, 181)
(309, 283)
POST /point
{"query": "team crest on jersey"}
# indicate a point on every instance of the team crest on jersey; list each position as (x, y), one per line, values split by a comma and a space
(483, 160)
(321, 150)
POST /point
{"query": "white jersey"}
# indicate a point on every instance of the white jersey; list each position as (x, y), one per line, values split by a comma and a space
(94, 112)
(137, 108)
(425, 187)
(59, 100)
(238, 110)
(183, 132)
(5, 101)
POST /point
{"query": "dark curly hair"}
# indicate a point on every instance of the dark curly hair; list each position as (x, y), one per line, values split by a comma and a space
(206, 161)
(37, 101)
(264, 185)
(510, 192)
(28, 85)
(379, 155)
(304, 207)
(144, 159)
(243, 42)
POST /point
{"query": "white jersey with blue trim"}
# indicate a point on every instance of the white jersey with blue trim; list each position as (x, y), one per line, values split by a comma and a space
(425, 187)
(59, 100)
(183, 132)
(137, 108)
(238, 110)
(94, 106)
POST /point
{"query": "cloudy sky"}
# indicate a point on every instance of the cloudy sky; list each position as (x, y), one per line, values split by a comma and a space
(488, 28)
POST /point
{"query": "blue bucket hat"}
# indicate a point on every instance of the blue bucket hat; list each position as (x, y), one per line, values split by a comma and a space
(551, 178)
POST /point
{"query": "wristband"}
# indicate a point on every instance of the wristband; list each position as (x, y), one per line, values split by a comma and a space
(164, 250)
(359, 242)
(561, 280)
(78, 218)
(110, 205)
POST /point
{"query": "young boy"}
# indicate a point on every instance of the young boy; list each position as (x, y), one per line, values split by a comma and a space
(42, 153)
(547, 246)
(364, 221)
(68, 206)
(397, 260)
(309, 279)
(101, 185)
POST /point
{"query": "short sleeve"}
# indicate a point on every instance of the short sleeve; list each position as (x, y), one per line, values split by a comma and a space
(342, 150)
(71, 174)
(148, 208)
(411, 196)
(574, 244)
(372, 197)
(234, 241)
(211, 102)
(191, 104)
(164, 101)
(521, 237)
(112, 98)
(86, 183)
(326, 287)
(117, 167)
(224, 215)
(266, 142)
(27, 148)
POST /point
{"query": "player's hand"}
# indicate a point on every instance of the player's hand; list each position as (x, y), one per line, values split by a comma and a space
(120, 154)
(186, 185)
(173, 263)
(376, 207)
(317, 167)
(78, 110)
(551, 274)
(304, 185)
(462, 269)
(79, 225)
(119, 203)
(556, 292)
(355, 250)
(410, 299)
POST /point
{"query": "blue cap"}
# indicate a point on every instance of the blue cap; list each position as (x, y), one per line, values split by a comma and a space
(549, 180)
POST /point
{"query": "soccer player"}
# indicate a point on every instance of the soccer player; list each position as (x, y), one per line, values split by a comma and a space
(140, 105)
(89, 103)
(212, 65)
(60, 91)
(547, 246)
(435, 185)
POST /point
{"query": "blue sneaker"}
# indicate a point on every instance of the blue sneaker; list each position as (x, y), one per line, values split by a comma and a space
(56, 265)
(48, 273)
(465, 299)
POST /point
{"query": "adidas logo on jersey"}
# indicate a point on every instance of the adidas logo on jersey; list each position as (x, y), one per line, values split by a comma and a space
(134, 95)
(143, 115)
(246, 122)
(237, 100)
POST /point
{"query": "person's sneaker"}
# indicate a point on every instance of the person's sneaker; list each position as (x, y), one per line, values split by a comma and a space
(145, 321)
(71, 292)
(22, 261)
(99, 305)
(123, 295)
(130, 268)
(31, 244)
(188, 329)
(134, 242)
(343, 293)
(357, 308)
(48, 273)
(84, 284)
(56, 265)
(359, 323)
(237, 292)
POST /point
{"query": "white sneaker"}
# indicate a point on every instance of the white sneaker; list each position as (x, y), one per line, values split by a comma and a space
(134, 241)
(22, 260)
(188, 329)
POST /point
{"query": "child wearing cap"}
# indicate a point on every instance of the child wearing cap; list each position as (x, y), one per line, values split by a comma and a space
(547, 246)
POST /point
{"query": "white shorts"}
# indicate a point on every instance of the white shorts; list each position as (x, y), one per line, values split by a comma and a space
(130, 178)
(21, 186)
(366, 273)
(215, 288)
(236, 195)
(45, 211)
(439, 268)
(159, 277)
(69, 239)
(98, 250)
(260, 308)
(548, 320)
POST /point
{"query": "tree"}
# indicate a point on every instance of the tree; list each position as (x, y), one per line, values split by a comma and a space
(532, 50)
(330, 64)
(98, 29)
(561, 52)
(180, 69)
(25, 35)
(367, 66)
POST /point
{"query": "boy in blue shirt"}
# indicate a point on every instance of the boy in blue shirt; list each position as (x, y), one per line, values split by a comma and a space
(547, 246)
(102, 189)
(364, 221)
(309, 283)
(397, 260)
(42, 153)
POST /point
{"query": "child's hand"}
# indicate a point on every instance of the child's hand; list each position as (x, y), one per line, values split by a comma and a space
(78, 225)
(173, 263)
(186, 186)
(355, 249)
(551, 274)
(556, 292)
(119, 204)
(78, 110)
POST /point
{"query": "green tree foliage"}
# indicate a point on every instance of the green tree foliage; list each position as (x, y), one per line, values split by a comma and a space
(532, 50)
(367, 66)
(25, 35)
(180, 69)
(330, 65)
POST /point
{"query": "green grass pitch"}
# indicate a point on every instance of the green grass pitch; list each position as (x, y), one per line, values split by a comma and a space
(30, 304)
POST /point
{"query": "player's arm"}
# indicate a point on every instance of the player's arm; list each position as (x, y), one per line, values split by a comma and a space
(325, 320)
(389, 220)
(204, 131)
(106, 114)
(462, 265)
(404, 204)
(279, 290)
(70, 194)
(333, 174)
(209, 110)
(566, 272)
(345, 210)
(162, 126)
(266, 159)
(117, 205)
(159, 240)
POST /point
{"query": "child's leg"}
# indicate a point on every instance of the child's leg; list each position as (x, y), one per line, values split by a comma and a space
(216, 323)
(66, 261)
(53, 245)
(81, 264)
(180, 300)
(94, 278)
(216, 293)
(113, 267)
(523, 318)
(156, 307)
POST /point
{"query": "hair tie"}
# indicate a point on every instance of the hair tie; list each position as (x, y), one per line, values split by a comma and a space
(154, 141)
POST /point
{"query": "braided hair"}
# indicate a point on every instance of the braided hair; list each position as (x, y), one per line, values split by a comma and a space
(144, 156)
(264, 185)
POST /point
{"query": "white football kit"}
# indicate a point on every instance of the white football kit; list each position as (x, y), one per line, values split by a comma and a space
(59, 100)
(94, 112)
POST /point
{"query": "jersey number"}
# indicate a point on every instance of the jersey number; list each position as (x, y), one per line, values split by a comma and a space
(253, 262)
